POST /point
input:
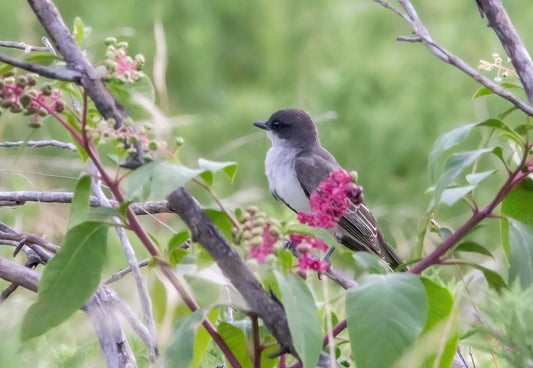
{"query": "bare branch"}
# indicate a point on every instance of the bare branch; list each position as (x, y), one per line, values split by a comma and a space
(440, 52)
(18, 274)
(29, 239)
(100, 310)
(20, 198)
(232, 266)
(144, 297)
(35, 144)
(53, 23)
(500, 22)
(28, 48)
(62, 74)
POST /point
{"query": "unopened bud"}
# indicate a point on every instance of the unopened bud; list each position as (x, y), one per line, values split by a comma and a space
(46, 89)
(139, 58)
(134, 139)
(152, 146)
(110, 41)
(25, 99)
(15, 108)
(303, 247)
(35, 124)
(128, 121)
(2, 84)
(31, 77)
(258, 230)
(21, 81)
(148, 125)
(6, 103)
(59, 106)
(252, 209)
(354, 176)
(256, 240)
(43, 112)
(179, 141)
(122, 44)
(9, 80)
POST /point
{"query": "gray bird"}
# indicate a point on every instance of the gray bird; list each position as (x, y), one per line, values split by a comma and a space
(297, 163)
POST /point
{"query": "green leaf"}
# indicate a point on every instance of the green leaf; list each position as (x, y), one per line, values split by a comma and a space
(450, 196)
(177, 255)
(440, 303)
(521, 258)
(453, 167)
(476, 178)
(444, 233)
(500, 125)
(158, 295)
(222, 221)
(69, 279)
(234, 337)
(494, 280)
(177, 240)
(302, 316)
(210, 167)
(437, 344)
(202, 339)
(470, 246)
(517, 204)
(78, 30)
(181, 347)
(79, 211)
(484, 91)
(285, 257)
(445, 142)
(385, 315)
(163, 177)
(369, 262)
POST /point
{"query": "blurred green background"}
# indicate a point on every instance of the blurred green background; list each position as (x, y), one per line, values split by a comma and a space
(234, 62)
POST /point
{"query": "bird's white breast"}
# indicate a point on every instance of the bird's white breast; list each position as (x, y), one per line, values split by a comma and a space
(279, 168)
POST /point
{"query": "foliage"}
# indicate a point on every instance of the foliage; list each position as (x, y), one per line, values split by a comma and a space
(393, 319)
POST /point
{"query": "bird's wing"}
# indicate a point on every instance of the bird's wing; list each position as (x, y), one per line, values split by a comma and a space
(358, 229)
(314, 167)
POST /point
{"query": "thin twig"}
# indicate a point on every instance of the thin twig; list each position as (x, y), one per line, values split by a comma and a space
(20, 198)
(441, 53)
(62, 74)
(120, 274)
(146, 303)
(28, 48)
(45, 143)
(329, 326)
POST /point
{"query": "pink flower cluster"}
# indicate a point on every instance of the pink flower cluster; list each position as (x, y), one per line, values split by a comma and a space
(261, 251)
(332, 198)
(120, 65)
(304, 244)
(20, 95)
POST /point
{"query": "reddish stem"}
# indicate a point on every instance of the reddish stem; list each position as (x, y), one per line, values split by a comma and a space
(336, 330)
(135, 226)
(435, 257)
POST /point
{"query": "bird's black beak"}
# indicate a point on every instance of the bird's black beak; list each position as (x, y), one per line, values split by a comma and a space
(261, 124)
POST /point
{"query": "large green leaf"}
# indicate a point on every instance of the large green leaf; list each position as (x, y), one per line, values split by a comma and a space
(180, 351)
(437, 344)
(202, 339)
(517, 204)
(445, 142)
(163, 178)
(234, 337)
(470, 246)
(453, 167)
(222, 221)
(79, 210)
(450, 196)
(302, 315)
(504, 128)
(521, 258)
(385, 316)
(210, 167)
(69, 279)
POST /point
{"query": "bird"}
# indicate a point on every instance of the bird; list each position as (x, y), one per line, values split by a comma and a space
(296, 164)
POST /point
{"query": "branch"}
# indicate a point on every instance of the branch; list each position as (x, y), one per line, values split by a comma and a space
(120, 274)
(204, 232)
(28, 48)
(53, 23)
(440, 52)
(144, 297)
(35, 144)
(500, 22)
(114, 344)
(435, 257)
(62, 74)
(20, 198)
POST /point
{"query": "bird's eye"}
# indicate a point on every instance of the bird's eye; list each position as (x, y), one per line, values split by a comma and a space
(276, 125)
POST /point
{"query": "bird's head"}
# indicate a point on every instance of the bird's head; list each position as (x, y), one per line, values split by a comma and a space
(292, 126)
